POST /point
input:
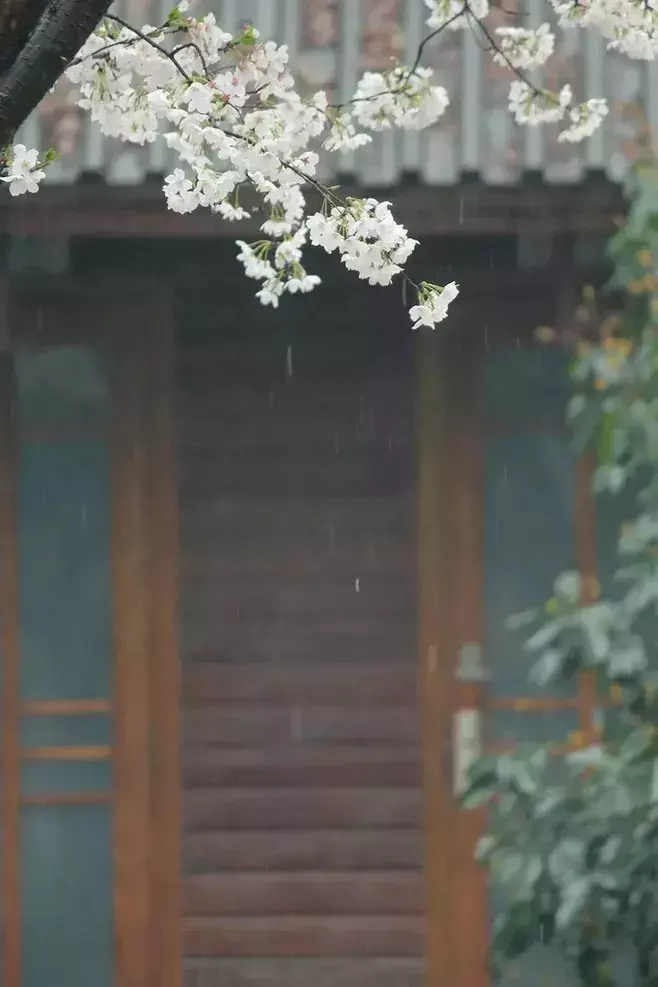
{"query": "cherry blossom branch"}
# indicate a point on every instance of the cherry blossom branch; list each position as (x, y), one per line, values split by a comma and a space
(152, 42)
(244, 123)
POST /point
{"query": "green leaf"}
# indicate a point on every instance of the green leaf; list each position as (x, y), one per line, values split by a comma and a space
(635, 745)
(476, 796)
(574, 899)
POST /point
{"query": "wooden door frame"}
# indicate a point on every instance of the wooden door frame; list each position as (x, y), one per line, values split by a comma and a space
(451, 439)
(449, 543)
(136, 318)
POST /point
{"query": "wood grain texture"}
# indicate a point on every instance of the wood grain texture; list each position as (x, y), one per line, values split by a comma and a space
(131, 650)
(285, 808)
(164, 665)
(468, 916)
(435, 642)
(301, 727)
(66, 707)
(296, 765)
(301, 935)
(303, 850)
(310, 893)
(362, 971)
(90, 752)
(367, 684)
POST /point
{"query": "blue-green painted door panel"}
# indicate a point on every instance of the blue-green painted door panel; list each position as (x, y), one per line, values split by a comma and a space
(63, 488)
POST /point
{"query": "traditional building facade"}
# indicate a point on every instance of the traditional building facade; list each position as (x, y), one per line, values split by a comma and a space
(256, 565)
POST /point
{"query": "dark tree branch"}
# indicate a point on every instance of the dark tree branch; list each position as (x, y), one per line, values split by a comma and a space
(62, 29)
(18, 19)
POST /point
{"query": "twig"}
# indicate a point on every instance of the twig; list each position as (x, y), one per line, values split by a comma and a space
(154, 44)
(193, 44)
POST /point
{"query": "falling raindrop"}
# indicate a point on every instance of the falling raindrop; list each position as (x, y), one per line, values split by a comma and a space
(289, 362)
(357, 585)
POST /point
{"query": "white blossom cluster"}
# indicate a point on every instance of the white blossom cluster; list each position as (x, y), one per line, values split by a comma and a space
(398, 99)
(228, 107)
(521, 48)
(24, 170)
(366, 236)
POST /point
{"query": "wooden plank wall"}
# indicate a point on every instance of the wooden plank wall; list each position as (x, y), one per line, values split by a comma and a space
(301, 766)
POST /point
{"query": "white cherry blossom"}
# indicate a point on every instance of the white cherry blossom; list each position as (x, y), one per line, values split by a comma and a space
(585, 119)
(227, 105)
(534, 106)
(23, 171)
(523, 48)
(433, 302)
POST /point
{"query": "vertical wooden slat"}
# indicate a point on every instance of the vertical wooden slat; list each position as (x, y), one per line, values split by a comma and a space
(469, 930)
(349, 54)
(471, 102)
(131, 644)
(594, 55)
(533, 137)
(165, 669)
(435, 648)
(9, 656)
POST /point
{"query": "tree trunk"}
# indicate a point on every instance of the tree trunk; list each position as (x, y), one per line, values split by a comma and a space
(38, 39)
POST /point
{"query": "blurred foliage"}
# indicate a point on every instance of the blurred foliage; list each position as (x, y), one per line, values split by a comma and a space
(571, 842)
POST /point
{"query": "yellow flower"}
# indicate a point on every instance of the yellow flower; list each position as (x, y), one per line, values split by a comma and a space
(649, 282)
(616, 693)
(609, 324)
(588, 293)
(552, 605)
(577, 738)
(592, 588)
(635, 287)
(617, 346)
(600, 384)
(545, 334)
(522, 705)
(645, 257)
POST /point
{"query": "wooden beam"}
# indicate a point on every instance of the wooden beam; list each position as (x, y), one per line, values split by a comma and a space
(435, 646)
(131, 648)
(166, 823)
(99, 209)
(465, 568)
(91, 752)
(66, 707)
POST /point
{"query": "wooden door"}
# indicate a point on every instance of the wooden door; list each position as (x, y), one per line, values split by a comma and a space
(505, 508)
(88, 669)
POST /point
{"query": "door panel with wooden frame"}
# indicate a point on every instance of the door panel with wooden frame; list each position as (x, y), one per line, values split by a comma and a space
(516, 512)
(81, 692)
